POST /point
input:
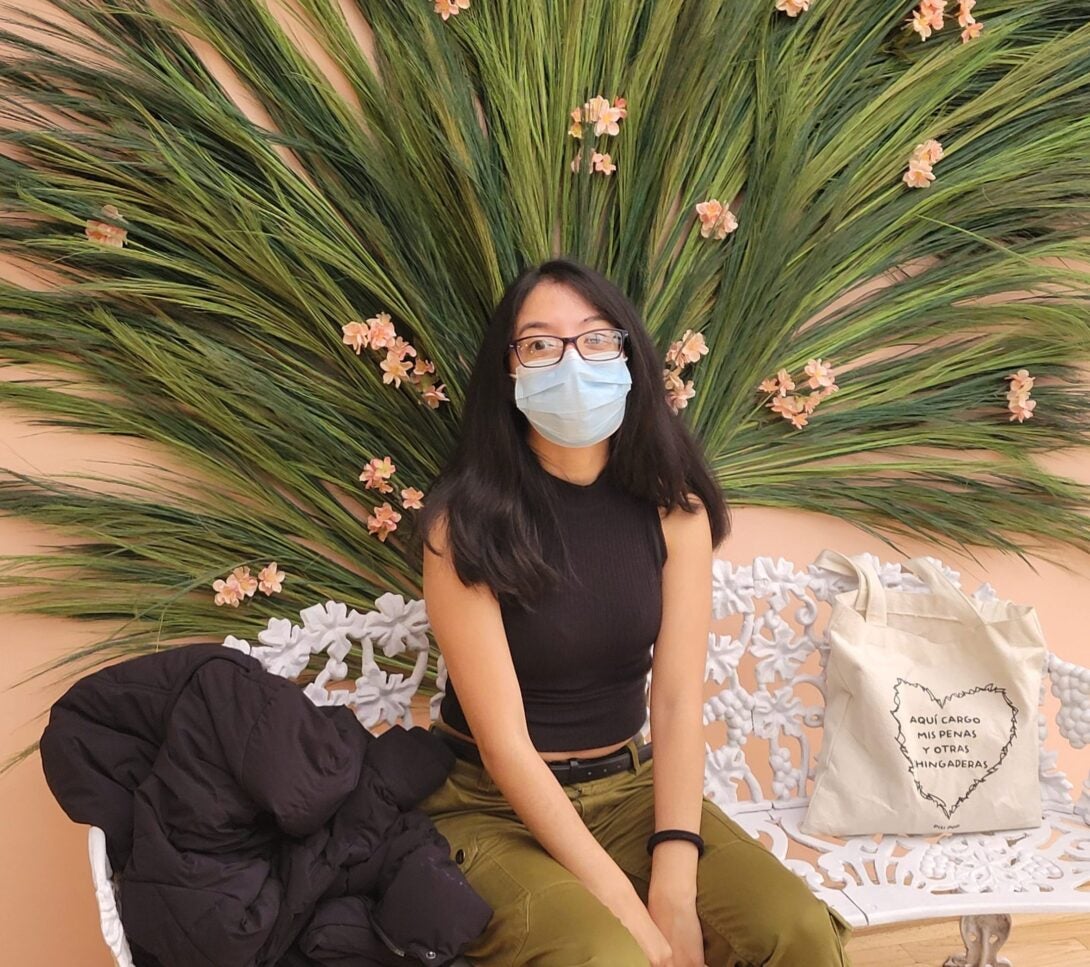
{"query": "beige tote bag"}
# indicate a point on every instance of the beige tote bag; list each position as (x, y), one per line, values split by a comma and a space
(931, 709)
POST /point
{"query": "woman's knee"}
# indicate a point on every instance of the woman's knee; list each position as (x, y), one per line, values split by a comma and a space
(753, 906)
(810, 935)
(568, 925)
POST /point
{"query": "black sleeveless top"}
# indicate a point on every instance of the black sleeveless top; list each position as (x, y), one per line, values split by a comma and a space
(582, 657)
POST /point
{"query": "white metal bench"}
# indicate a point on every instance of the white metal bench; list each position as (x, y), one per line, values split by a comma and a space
(767, 674)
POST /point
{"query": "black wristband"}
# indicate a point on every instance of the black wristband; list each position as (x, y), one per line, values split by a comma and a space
(663, 834)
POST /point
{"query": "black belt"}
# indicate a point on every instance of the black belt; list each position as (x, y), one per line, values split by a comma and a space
(568, 771)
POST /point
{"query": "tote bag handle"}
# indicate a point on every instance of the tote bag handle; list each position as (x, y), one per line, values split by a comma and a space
(941, 585)
(872, 597)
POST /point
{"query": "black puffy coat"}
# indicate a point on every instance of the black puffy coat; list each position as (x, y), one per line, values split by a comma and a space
(251, 827)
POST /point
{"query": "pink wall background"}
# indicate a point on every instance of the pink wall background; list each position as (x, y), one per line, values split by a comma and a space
(48, 914)
(47, 906)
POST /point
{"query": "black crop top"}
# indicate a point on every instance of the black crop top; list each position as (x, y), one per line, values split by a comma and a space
(582, 657)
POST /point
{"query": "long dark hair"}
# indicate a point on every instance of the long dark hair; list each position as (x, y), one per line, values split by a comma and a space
(496, 501)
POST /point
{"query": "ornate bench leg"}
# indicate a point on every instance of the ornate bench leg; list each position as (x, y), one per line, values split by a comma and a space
(983, 934)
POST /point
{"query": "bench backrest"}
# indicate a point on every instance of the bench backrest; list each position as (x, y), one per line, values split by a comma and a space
(764, 676)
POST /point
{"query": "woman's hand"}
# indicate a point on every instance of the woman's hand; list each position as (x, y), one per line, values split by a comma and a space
(676, 917)
(636, 917)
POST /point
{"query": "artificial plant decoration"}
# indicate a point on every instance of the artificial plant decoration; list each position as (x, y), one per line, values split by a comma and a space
(220, 196)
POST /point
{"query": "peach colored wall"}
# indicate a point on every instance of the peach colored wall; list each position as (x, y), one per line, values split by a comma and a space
(47, 907)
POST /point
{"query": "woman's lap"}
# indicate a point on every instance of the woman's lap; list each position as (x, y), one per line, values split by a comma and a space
(753, 910)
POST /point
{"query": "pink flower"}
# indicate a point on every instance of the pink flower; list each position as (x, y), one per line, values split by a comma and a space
(965, 16)
(575, 129)
(778, 384)
(603, 163)
(103, 232)
(394, 369)
(450, 8)
(270, 579)
(382, 330)
(607, 121)
(929, 151)
(709, 211)
(228, 592)
(792, 7)
(688, 349)
(790, 408)
(356, 334)
(594, 107)
(671, 378)
(599, 112)
(921, 23)
(821, 375)
(604, 115)
(933, 10)
(919, 174)
(383, 521)
(376, 473)
(400, 348)
(245, 580)
(410, 498)
(1021, 409)
(679, 399)
(971, 31)
(1021, 381)
(433, 395)
(422, 366)
(715, 217)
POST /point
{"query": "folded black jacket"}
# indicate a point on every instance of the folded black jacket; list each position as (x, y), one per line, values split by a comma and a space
(252, 827)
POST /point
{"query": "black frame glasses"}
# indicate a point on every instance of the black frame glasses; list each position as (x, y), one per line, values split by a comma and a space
(564, 340)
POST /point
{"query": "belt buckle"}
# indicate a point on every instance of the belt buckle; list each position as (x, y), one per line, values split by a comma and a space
(570, 776)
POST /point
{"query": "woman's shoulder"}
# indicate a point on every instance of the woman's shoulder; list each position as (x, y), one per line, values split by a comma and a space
(680, 525)
(697, 509)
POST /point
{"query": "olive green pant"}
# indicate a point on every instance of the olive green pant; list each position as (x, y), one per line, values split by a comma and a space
(752, 909)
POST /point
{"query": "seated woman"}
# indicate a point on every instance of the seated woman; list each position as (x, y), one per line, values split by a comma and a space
(573, 530)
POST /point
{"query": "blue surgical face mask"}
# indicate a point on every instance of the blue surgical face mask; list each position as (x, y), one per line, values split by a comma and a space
(575, 402)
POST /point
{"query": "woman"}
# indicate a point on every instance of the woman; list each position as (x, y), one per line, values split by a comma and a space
(572, 529)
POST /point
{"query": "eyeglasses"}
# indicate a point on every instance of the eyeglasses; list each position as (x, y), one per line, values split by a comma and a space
(596, 345)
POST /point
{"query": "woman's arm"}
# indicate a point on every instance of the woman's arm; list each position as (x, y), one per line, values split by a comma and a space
(677, 698)
(469, 630)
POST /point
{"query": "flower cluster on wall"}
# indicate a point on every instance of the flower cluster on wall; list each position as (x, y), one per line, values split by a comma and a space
(606, 117)
(241, 584)
(795, 407)
(929, 16)
(106, 233)
(376, 476)
(377, 333)
(1018, 402)
(920, 162)
(688, 349)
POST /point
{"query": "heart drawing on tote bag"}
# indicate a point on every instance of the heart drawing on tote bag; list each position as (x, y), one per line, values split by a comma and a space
(952, 744)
